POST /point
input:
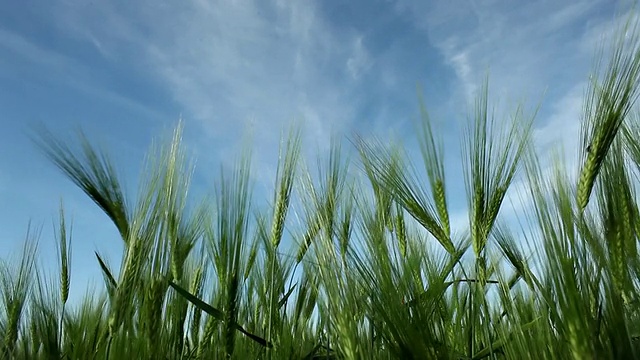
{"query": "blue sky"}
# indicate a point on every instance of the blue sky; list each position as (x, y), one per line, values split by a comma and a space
(126, 71)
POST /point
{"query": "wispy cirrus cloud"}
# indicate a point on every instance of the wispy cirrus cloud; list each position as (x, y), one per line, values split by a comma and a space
(525, 48)
(237, 67)
(539, 52)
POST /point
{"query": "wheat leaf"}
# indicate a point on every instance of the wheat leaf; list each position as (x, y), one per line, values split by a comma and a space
(216, 313)
(109, 279)
(286, 296)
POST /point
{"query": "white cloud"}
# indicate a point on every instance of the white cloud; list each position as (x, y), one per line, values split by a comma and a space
(359, 61)
(528, 50)
(461, 64)
(234, 66)
(525, 48)
(563, 125)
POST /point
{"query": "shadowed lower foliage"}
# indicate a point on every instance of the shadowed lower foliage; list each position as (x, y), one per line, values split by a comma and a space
(369, 267)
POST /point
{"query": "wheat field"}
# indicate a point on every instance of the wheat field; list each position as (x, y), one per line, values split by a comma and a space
(357, 278)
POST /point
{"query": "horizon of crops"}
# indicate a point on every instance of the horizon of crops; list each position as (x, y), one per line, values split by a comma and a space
(360, 281)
